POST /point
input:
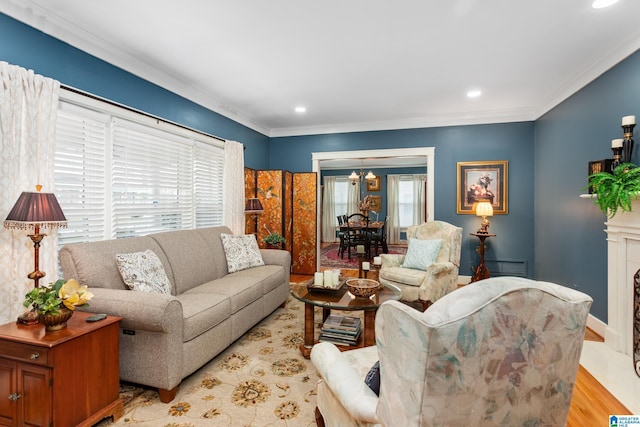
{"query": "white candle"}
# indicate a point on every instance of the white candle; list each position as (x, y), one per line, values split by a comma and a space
(336, 278)
(377, 260)
(628, 120)
(616, 143)
(366, 266)
(328, 279)
(360, 249)
(318, 279)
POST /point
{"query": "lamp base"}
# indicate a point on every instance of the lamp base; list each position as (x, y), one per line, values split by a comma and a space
(28, 318)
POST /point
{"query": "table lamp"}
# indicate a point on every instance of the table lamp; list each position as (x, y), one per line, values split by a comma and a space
(32, 211)
(254, 207)
(484, 209)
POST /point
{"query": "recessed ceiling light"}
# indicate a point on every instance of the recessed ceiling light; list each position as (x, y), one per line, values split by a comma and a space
(474, 93)
(599, 4)
(301, 110)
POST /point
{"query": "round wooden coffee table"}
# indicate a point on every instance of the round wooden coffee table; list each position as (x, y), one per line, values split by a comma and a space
(343, 300)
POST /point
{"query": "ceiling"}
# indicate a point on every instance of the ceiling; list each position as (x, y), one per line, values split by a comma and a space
(355, 65)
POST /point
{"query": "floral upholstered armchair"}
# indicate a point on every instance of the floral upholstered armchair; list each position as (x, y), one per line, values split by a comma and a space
(500, 352)
(425, 280)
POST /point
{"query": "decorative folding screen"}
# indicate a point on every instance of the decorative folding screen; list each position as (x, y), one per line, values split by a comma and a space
(289, 202)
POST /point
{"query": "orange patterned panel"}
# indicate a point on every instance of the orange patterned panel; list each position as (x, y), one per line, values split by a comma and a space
(249, 191)
(304, 223)
(270, 193)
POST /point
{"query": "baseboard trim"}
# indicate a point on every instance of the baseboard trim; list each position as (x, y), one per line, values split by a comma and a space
(596, 325)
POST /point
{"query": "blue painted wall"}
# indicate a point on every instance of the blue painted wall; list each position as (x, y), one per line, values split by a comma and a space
(570, 242)
(510, 141)
(24, 46)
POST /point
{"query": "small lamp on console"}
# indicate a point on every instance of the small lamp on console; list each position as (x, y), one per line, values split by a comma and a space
(31, 212)
(484, 209)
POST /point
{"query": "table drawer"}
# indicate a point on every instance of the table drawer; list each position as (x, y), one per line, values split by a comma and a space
(25, 352)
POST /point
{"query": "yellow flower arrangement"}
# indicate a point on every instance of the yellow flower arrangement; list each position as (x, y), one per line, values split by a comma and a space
(50, 299)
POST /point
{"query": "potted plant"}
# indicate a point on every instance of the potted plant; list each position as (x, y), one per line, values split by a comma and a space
(274, 239)
(615, 190)
(56, 303)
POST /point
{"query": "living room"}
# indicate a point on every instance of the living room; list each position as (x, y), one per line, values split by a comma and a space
(557, 235)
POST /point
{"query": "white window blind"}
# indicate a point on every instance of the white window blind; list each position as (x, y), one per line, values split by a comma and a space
(152, 185)
(405, 202)
(80, 172)
(120, 173)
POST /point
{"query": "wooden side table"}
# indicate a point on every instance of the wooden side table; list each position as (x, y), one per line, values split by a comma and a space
(68, 377)
(482, 272)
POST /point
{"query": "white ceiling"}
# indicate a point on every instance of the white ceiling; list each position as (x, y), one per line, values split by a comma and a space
(355, 64)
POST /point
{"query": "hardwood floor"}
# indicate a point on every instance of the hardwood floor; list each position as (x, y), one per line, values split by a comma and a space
(592, 403)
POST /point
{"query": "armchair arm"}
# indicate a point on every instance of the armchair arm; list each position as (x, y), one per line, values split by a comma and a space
(440, 279)
(391, 260)
(343, 380)
(139, 310)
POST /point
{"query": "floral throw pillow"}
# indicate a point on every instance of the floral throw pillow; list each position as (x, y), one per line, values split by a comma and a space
(421, 253)
(143, 271)
(242, 251)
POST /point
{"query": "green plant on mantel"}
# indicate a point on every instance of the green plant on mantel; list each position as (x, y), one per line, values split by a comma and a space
(615, 191)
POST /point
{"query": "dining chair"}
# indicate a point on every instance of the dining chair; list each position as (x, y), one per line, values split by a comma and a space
(357, 224)
(378, 238)
(342, 235)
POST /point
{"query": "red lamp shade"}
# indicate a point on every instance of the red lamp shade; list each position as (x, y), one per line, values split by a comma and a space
(36, 209)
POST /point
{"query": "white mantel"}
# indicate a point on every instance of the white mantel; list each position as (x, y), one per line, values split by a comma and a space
(623, 237)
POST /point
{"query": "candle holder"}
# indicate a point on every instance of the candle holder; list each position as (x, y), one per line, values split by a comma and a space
(617, 157)
(627, 144)
(360, 259)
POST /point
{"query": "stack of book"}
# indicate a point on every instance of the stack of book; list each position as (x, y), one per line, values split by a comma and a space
(341, 330)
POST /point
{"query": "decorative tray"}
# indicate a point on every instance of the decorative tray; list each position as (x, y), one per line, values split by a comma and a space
(313, 288)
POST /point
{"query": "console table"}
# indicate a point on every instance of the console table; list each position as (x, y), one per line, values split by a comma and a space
(68, 377)
(482, 272)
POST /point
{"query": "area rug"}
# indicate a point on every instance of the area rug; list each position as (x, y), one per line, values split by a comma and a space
(329, 257)
(260, 380)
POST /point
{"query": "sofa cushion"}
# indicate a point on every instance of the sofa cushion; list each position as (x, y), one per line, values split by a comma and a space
(407, 276)
(242, 251)
(143, 271)
(241, 292)
(421, 253)
(202, 312)
(271, 276)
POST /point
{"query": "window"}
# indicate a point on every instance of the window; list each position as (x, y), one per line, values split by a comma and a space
(119, 173)
(341, 192)
(405, 202)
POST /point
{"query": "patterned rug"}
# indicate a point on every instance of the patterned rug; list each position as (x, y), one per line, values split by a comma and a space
(260, 380)
(329, 257)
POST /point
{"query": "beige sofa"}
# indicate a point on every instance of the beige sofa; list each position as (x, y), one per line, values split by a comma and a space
(166, 337)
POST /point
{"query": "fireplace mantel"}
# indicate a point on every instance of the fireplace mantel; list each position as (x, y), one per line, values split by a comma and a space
(623, 260)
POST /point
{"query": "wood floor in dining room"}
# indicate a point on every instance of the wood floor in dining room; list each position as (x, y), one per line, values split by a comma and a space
(591, 404)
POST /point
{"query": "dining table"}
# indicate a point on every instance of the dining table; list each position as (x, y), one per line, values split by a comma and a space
(366, 228)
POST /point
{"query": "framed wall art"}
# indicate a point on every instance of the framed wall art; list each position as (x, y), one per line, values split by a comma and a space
(373, 184)
(480, 181)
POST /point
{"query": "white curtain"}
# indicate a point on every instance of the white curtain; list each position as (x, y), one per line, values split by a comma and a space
(393, 211)
(419, 198)
(28, 111)
(328, 210)
(353, 198)
(234, 186)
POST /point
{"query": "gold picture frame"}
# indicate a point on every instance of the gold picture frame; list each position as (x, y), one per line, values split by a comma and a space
(373, 184)
(483, 180)
(375, 202)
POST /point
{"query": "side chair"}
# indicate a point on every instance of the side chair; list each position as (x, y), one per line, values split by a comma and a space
(499, 352)
(423, 276)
